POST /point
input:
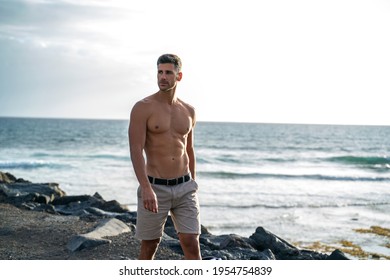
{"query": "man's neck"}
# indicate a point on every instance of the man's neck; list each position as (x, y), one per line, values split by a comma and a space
(168, 96)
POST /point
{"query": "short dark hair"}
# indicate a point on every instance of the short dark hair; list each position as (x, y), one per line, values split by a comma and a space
(170, 58)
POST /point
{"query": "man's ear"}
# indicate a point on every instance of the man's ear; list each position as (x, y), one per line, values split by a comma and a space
(179, 76)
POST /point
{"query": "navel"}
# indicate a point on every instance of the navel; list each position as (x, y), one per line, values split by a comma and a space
(156, 127)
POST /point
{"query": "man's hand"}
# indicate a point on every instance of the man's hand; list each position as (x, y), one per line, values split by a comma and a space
(150, 199)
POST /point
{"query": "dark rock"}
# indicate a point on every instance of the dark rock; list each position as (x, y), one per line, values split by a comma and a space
(212, 241)
(100, 212)
(113, 206)
(231, 247)
(234, 241)
(210, 258)
(169, 228)
(68, 205)
(337, 255)
(204, 230)
(171, 243)
(128, 217)
(43, 199)
(310, 255)
(222, 255)
(71, 205)
(7, 178)
(34, 206)
(21, 199)
(263, 239)
(64, 200)
(171, 231)
(268, 253)
(30, 190)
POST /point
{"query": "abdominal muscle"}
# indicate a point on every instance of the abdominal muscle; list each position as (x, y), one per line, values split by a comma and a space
(166, 161)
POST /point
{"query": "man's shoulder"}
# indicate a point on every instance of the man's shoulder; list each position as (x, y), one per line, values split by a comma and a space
(188, 106)
(145, 102)
(143, 108)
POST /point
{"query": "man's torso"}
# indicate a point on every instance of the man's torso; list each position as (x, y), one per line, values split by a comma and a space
(168, 127)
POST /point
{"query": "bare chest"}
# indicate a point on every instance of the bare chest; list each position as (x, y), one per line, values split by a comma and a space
(176, 120)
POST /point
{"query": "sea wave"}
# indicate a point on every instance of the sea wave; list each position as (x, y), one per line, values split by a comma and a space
(375, 162)
(81, 156)
(296, 205)
(234, 175)
(55, 155)
(240, 159)
(31, 165)
(109, 156)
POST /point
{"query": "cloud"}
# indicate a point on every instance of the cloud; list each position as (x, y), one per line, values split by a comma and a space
(54, 22)
(57, 12)
(55, 60)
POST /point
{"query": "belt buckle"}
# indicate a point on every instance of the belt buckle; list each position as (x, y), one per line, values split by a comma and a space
(172, 182)
(176, 181)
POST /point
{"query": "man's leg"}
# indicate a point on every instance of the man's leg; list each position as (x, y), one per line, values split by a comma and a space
(149, 227)
(190, 246)
(148, 249)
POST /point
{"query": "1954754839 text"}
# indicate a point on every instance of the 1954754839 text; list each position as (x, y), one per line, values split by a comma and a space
(242, 270)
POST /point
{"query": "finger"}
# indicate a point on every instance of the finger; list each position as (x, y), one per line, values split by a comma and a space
(151, 206)
(155, 207)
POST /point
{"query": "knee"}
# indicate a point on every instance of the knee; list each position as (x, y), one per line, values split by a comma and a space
(151, 243)
(148, 249)
(190, 246)
(189, 240)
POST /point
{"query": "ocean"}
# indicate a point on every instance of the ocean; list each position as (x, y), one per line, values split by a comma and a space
(304, 183)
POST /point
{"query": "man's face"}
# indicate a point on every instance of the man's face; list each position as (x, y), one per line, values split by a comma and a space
(167, 76)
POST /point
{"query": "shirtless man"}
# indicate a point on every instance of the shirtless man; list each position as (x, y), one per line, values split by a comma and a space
(162, 125)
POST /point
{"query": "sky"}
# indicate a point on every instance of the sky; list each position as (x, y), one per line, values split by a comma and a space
(279, 61)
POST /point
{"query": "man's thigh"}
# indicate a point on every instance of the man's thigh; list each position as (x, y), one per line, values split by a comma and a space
(185, 212)
(150, 225)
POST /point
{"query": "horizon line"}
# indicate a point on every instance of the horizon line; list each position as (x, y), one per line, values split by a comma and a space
(199, 121)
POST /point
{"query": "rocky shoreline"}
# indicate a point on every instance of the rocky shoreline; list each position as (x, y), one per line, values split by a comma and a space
(40, 221)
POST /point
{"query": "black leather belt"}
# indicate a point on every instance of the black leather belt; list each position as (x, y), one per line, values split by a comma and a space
(169, 182)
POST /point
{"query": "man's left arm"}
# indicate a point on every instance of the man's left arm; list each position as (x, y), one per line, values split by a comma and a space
(191, 155)
(190, 149)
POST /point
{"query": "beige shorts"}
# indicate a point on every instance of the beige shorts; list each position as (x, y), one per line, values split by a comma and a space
(180, 200)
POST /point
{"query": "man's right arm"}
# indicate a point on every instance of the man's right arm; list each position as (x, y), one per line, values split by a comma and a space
(137, 139)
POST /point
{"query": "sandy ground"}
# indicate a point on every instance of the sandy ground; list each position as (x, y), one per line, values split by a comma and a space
(31, 235)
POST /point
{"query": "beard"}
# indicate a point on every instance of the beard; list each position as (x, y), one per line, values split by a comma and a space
(166, 86)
